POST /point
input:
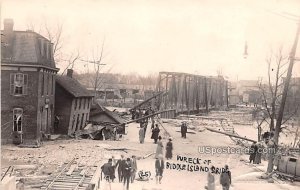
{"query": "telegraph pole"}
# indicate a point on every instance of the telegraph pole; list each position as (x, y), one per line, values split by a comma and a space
(283, 100)
(286, 85)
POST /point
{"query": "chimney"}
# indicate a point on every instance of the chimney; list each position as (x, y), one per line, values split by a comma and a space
(8, 24)
(70, 73)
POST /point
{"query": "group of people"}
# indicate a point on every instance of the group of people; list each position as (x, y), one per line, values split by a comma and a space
(225, 179)
(126, 169)
(255, 153)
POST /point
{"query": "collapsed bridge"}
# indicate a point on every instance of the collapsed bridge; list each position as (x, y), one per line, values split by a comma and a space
(189, 93)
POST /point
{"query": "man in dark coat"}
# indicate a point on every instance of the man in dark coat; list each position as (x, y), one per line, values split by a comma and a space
(155, 133)
(253, 151)
(159, 168)
(169, 149)
(108, 170)
(127, 172)
(225, 178)
(120, 164)
(183, 130)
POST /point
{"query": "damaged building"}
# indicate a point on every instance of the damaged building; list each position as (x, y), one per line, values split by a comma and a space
(72, 106)
(28, 86)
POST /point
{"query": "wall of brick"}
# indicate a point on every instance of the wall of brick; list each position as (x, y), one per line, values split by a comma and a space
(27, 102)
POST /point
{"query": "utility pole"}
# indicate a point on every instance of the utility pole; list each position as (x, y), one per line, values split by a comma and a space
(283, 100)
(286, 85)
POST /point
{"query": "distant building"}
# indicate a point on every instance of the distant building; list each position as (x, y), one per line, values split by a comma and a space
(27, 86)
(72, 105)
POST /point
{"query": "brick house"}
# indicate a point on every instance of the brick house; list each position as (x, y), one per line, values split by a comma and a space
(27, 86)
(72, 105)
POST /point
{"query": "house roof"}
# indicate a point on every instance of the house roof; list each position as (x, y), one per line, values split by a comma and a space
(97, 109)
(25, 47)
(73, 86)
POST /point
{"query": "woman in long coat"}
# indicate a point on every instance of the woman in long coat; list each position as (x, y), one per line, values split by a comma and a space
(159, 148)
(169, 149)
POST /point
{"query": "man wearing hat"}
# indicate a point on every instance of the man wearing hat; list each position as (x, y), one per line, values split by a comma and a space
(169, 149)
(159, 168)
(127, 173)
(108, 170)
(183, 129)
(225, 178)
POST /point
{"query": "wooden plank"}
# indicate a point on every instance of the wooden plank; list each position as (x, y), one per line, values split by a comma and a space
(72, 168)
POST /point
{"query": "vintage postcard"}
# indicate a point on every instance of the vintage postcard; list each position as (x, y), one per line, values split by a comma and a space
(150, 94)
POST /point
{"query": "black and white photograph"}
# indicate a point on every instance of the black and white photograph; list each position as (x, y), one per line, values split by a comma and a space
(150, 94)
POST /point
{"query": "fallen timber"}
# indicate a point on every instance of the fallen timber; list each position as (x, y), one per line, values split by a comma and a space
(145, 117)
(147, 100)
(231, 135)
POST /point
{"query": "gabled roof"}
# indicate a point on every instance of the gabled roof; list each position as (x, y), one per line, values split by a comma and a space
(97, 109)
(73, 86)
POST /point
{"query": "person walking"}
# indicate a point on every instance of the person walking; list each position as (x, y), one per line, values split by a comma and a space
(257, 159)
(142, 135)
(120, 164)
(113, 164)
(155, 133)
(225, 178)
(169, 149)
(183, 130)
(108, 171)
(211, 179)
(159, 148)
(253, 151)
(127, 173)
(134, 168)
(159, 168)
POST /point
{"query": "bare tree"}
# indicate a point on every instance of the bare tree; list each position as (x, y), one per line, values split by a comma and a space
(272, 97)
(71, 61)
(271, 92)
(55, 37)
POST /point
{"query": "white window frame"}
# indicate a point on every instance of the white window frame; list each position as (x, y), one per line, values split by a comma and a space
(19, 112)
(15, 82)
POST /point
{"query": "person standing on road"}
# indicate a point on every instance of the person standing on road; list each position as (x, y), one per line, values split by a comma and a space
(155, 133)
(169, 149)
(211, 179)
(108, 170)
(183, 130)
(127, 173)
(257, 159)
(113, 164)
(142, 135)
(134, 168)
(253, 151)
(159, 168)
(225, 178)
(159, 148)
(120, 164)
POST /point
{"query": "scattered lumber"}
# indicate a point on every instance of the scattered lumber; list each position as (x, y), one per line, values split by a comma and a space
(190, 132)
(148, 155)
(230, 134)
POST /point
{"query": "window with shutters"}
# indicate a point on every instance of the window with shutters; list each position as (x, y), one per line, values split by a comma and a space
(18, 84)
(18, 119)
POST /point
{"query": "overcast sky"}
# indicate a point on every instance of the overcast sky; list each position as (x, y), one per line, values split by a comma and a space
(191, 36)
